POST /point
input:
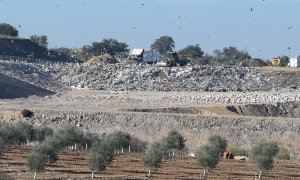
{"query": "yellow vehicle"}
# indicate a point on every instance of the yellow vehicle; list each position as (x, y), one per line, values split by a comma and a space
(275, 62)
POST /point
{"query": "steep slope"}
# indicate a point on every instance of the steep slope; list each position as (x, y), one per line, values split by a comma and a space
(13, 88)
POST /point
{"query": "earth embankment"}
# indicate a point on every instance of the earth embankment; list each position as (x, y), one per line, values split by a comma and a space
(13, 88)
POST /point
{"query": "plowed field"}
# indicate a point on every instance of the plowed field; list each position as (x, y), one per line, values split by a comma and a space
(72, 165)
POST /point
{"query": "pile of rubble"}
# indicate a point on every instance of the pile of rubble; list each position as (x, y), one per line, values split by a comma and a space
(123, 76)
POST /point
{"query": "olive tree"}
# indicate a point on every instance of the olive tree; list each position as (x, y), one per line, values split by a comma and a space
(262, 154)
(118, 140)
(25, 132)
(69, 136)
(46, 149)
(36, 163)
(175, 141)
(163, 44)
(219, 142)
(153, 157)
(9, 134)
(103, 147)
(41, 133)
(207, 157)
(96, 162)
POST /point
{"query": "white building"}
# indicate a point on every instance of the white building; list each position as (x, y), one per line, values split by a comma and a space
(295, 62)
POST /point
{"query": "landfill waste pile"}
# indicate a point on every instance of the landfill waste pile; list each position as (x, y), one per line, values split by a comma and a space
(144, 77)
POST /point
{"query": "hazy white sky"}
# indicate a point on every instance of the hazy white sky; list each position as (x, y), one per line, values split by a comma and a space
(268, 30)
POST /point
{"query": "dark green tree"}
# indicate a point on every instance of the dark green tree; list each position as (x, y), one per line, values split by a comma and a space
(69, 136)
(137, 145)
(109, 45)
(9, 134)
(207, 157)
(50, 152)
(175, 140)
(104, 148)
(118, 140)
(230, 56)
(89, 139)
(8, 30)
(54, 142)
(36, 163)
(25, 131)
(219, 142)
(262, 154)
(191, 52)
(163, 44)
(41, 133)
(41, 40)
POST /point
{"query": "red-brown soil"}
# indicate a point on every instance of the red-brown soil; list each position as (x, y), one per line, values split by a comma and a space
(72, 165)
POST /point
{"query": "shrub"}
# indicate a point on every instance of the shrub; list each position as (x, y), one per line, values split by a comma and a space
(283, 154)
(237, 151)
(26, 113)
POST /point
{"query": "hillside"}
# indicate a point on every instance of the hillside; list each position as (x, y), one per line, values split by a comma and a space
(14, 88)
(11, 46)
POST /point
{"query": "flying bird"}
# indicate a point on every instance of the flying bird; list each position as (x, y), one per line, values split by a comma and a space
(143, 4)
(291, 26)
(251, 9)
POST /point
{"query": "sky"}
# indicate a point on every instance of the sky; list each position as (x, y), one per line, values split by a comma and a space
(263, 28)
